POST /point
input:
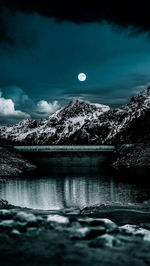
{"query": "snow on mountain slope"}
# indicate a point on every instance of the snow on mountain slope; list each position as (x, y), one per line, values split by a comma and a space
(118, 125)
(82, 122)
(57, 128)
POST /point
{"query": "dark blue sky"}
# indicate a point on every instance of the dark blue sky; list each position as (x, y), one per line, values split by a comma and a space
(39, 71)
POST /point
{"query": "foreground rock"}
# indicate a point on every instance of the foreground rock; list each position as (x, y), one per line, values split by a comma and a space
(77, 228)
(29, 239)
(3, 204)
(12, 163)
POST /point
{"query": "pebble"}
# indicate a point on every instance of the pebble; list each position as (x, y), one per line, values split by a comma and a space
(58, 219)
(21, 226)
(31, 229)
(79, 233)
(110, 226)
(135, 230)
(87, 232)
(6, 224)
(105, 240)
(26, 217)
(14, 233)
(128, 229)
(5, 214)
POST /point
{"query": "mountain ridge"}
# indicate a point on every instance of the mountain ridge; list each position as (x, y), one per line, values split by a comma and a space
(81, 122)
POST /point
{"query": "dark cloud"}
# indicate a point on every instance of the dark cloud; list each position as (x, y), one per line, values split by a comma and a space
(16, 94)
(4, 35)
(121, 12)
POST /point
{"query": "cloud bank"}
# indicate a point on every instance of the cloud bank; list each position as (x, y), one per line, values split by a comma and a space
(16, 105)
(17, 94)
(121, 13)
(7, 109)
(45, 108)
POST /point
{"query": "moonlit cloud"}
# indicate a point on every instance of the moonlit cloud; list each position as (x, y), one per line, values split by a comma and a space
(7, 108)
(45, 108)
(18, 95)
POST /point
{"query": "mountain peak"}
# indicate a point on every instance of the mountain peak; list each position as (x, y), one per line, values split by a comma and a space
(79, 107)
(82, 122)
(142, 98)
(76, 101)
(147, 91)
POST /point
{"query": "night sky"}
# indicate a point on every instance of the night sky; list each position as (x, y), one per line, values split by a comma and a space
(42, 54)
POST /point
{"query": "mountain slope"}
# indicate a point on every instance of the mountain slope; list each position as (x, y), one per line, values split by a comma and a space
(82, 122)
(58, 128)
(130, 123)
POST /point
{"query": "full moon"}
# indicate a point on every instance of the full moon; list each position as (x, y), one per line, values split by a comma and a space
(82, 77)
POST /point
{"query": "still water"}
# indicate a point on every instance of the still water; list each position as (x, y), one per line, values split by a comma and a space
(73, 185)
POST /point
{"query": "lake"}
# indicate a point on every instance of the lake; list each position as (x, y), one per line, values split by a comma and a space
(74, 181)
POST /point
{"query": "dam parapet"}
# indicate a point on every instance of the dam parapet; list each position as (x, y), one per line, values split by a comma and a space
(66, 148)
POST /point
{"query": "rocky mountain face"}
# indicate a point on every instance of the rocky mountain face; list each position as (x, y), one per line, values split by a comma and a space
(138, 155)
(12, 164)
(82, 122)
(128, 124)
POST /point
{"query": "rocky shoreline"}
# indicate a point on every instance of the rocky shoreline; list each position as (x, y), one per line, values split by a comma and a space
(28, 238)
(104, 234)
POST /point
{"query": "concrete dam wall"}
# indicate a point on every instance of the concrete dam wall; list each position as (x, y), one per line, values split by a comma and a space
(66, 148)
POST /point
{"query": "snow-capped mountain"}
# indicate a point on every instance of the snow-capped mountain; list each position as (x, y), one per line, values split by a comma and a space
(58, 128)
(128, 124)
(82, 122)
